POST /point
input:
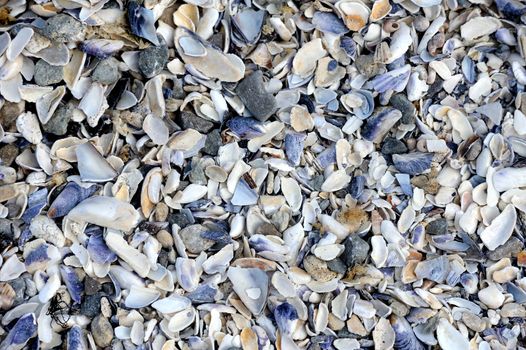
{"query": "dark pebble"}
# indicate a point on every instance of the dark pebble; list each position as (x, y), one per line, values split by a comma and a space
(367, 66)
(179, 218)
(8, 153)
(63, 28)
(107, 71)
(190, 120)
(393, 146)
(177, 90)
(213, 142)
(91, 285)
(400, 102)
(46, 74)
(337, 266)
(91, 305)
(152, 60)
(102, 331)
(251, 91)
(58, 123)
(356, 251)
(356, 186)
(437, 227)
(19, 286)
(435, 88)
(8, 114)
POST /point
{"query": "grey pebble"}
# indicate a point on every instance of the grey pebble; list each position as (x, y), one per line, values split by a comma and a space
(367, 66)
(58, 123)
(512, 247)
(152, 60)
(91, 305)
(251, 91)
(356, 251)
(191, 237)
(107, 71)
(212, 143)
(190, 120)
(102, 331)
(400, 102)
(46, 74)
(393, 146)
(437, 227)
(63, 28)
(91, 285)
(180, 219)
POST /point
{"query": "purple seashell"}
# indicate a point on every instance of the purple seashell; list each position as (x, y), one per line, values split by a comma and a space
(511, 9)
(405, 338)
(294, 147)
(25, 236)
(434, 269)
(357, 186)
(327, 157)
(221, 237)
(76, 339)
(505, 36)
(394, 80)
(99, 251)
(519, 295)
(37, 255)
(468, 69)
(413, 163)
(328, 22)
(36, 201)
(367, 107)
(285, 315)
(71, 195)
(203, 294)
(142, 22)
(100, 48)
(23, 330)
(73, 283)
(380, 124)
(245, 127)
(405, 183)
(349, 46)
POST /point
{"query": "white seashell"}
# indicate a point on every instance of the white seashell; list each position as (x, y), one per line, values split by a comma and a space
(11, 268)
(172, 304)
(156, 129)
(449, 338)
(379, 251)
(107, 212)
(329, 251)
(426, 3)
(331, 225)
(43, 227)
(73, 69)
(400, 42)
(141, 297)
(187, 273)
(519, 122)
(307, 57)
(336, 181)
(92, 165)
(509, 178)
(27, 124)
(48, 103)
(321, 319)
(19, 43)
(190, 194)
(283, 285)
(478, 27)
(480, 89)
(219, 262)
(383, 335)
(181, 320)
(407, 217)
(10, 69)
(137, 261)
(93, 103)
(292, 192)
(500, 229)
(470, 219)
(251, 285)
(460, 124)
(31, 93)
(125, 278)
(354, 13)
(50, 288)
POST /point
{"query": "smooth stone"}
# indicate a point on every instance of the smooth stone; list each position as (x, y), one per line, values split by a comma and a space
(102, 331)
(337, 265)
(9, 112)
(180, 219)
(91, 285)
(197, 174)
(107, 71)
(318, 269)
(491, 296)
(58, 123)
(473, 322)
(437, 227)
(46, 74)
(367, 66)
(356, 251)
(190, 120)
(152, 60)
(212, 143)
(8, 153)
(400, 102)
(165, 238)
(511, 248)
(393, 146)
(251, 91)
(63, 28)
(191, 237)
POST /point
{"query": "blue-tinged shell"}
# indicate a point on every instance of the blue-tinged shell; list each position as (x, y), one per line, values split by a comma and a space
(36, 201)
(327, 157)
(203, 294)
(434, 269)
(349, 46)
(405, 183)
(221, 237)
(99, 251)
(142, 22)
(248, 23)
(511, 9)
(505, 36)
(405, 338)
(245, 128)
(413, 163)
(328, 22)
(285, 315)
(294, 143)
(25, 236)
(23, 330)
(100, 48)
(71, 195)
(76, 339)
(519, 295)
(380, 124)
(395, 80)
(73, 283)
(469, 282)
(357, 186)
(468, 69)
(367, 107)
(322, 342)
(38, 257)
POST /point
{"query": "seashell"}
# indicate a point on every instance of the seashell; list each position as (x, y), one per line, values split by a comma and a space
(137, 261)
(383, 335)
(142, 22)
(294, 147)
(413, 163)
(23, 330)
(500, 229)
(247, 24)
(478, 27)
(71, 195)
(36, 202)
(19, 43)
(100, 48)
(426, 3)
(400, 41)
(76, 339)
(380, 124)
(12, 268)
(380, 9)
(433, 269)
(355, 13)
(187, 15)
(304, 63)
(92, 166)
(73, 283)
(45, 228)
(7, 297)
(251, 285)
(48, 103)
(393, 80)
(245, 127)
(106, 212)
(244, 195)
(10, 69)
(141, 297)
(509, 178)
(286, 317)
(181, 320)
(405, 338)
(336, 181)
(511, 9)
(156, 129)
(379, 251)
(328, 22)
(98, 250)
(449, 337)
(359, 102)
(292, 192)
(189, 142)
(94, 103)
(192, 47)
(187, 275)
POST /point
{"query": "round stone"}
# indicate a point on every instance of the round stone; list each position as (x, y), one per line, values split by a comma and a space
(152, 60)
(107, 71)
(63, 28)
(46, 74)
(165, 238)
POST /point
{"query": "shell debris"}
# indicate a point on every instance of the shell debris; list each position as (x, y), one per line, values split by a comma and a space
(206, 174)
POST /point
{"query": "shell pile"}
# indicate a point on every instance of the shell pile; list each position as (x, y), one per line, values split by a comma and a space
(267, 174)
